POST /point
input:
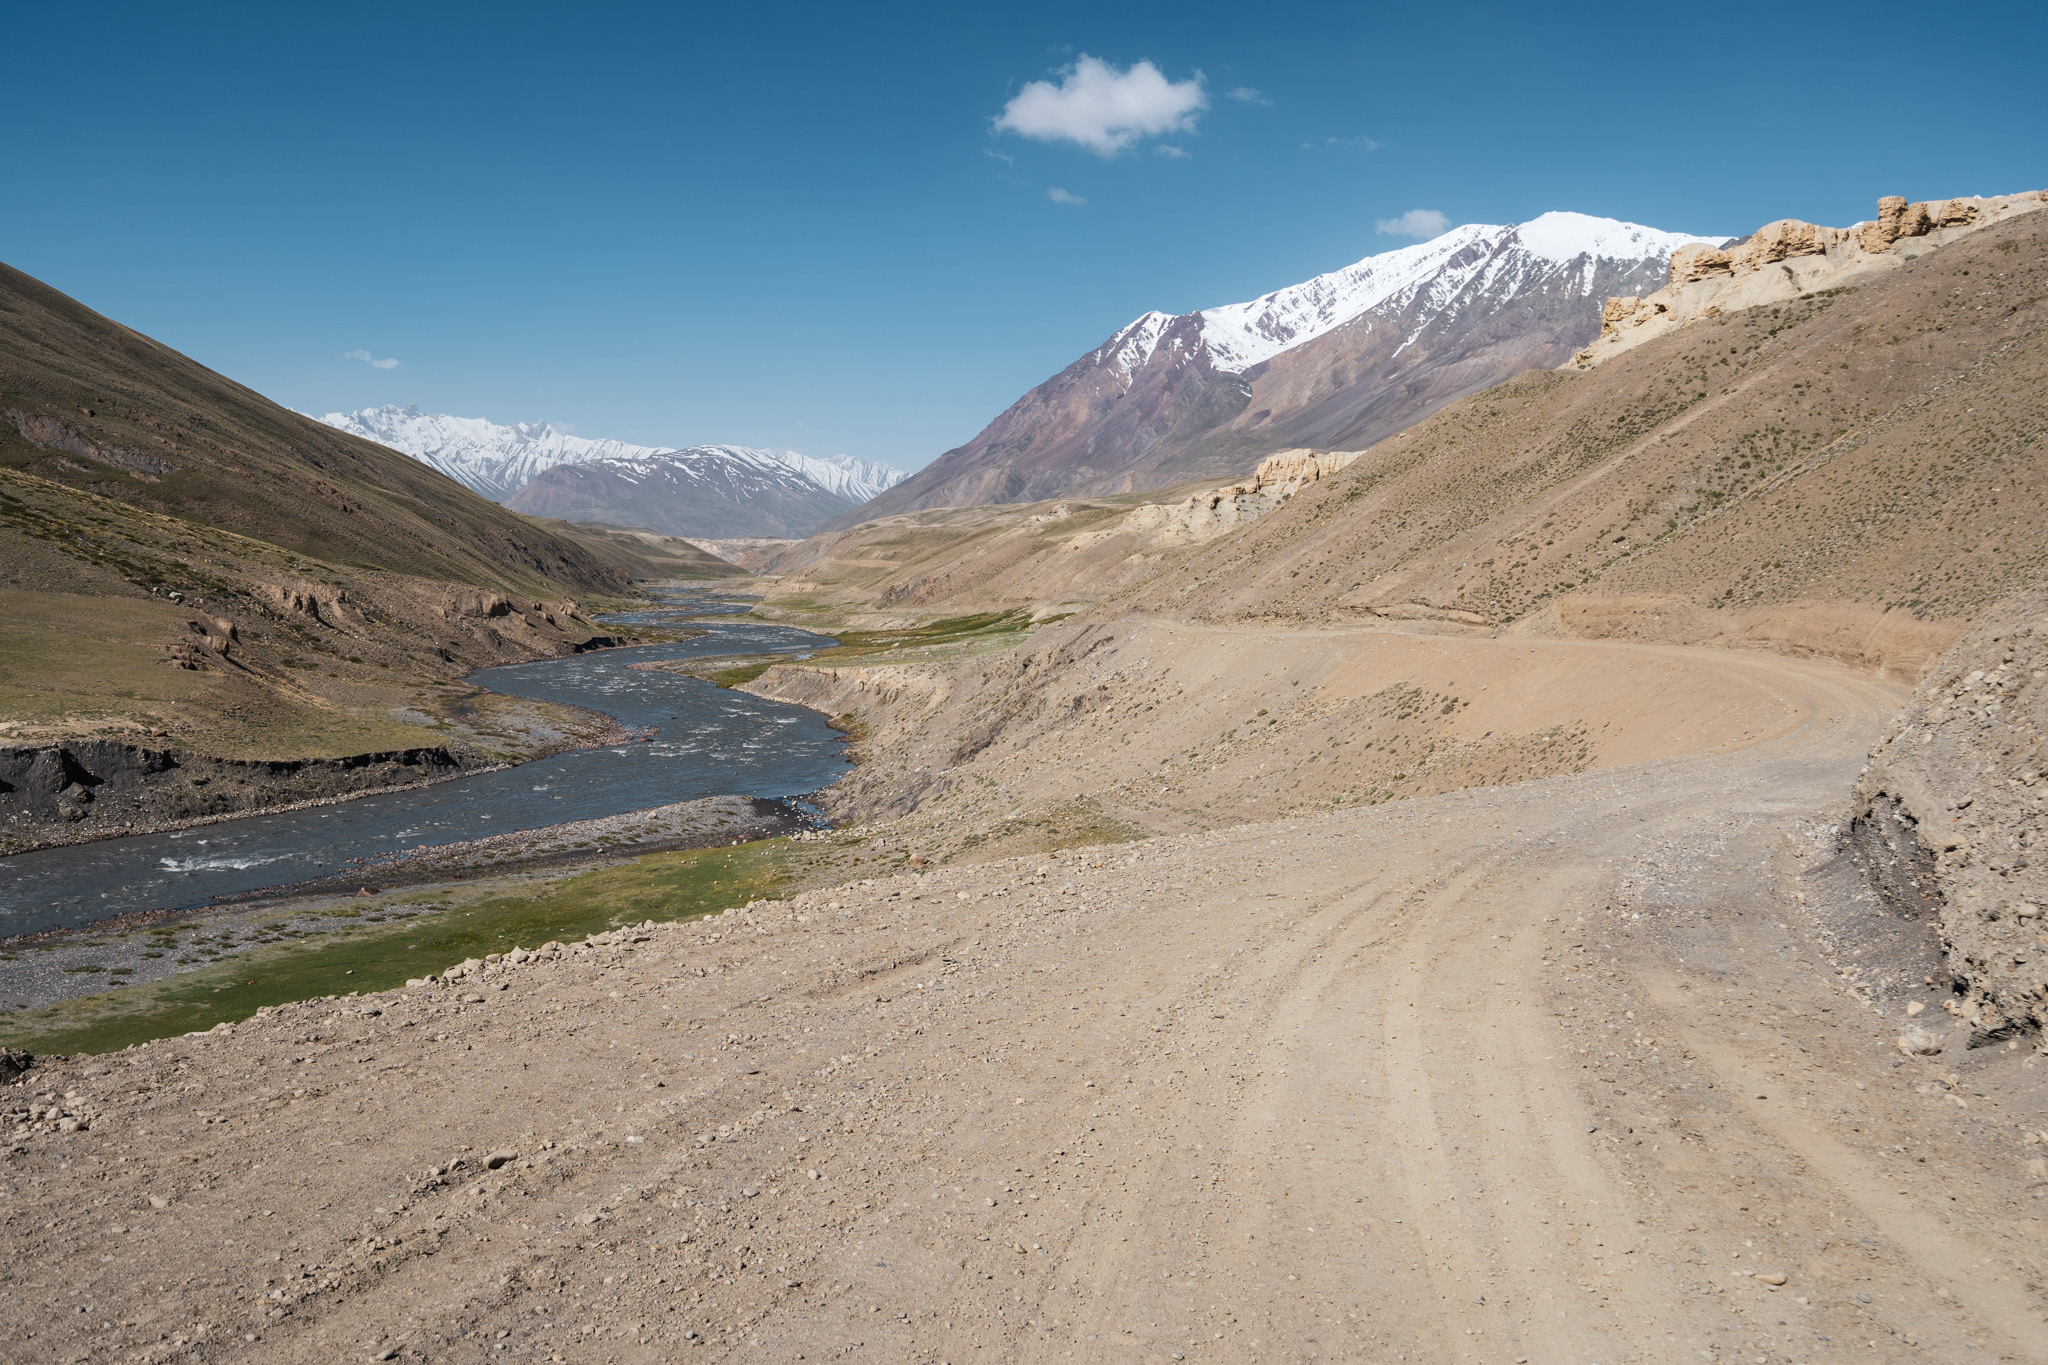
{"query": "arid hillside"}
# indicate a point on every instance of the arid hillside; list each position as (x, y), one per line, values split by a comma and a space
(643, 554)
(188, 568)
(1045, 556)
(91, 405)
(1855, 473)
(1039, 554)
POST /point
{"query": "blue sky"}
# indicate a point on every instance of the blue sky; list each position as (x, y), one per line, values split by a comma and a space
(798, 224)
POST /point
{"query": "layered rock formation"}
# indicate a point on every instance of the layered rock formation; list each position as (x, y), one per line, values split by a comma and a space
(1789, 259)
(98, 785)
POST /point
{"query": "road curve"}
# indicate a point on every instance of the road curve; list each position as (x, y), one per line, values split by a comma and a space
(1553, 1072)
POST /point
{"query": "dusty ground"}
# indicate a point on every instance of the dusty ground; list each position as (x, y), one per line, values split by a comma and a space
(1552, 1071)
(1138, 725)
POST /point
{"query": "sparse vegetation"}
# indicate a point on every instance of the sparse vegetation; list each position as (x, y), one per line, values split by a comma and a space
(455, 924)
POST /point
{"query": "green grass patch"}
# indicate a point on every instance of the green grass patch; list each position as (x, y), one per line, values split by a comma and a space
(745, 673)
(1071, 824)
(945, 631)
(659, 886)
(993, 629)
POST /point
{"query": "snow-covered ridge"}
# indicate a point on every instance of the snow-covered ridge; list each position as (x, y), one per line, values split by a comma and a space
(855, 480)
(498, 460)
(1241, 335)
(1133, 346)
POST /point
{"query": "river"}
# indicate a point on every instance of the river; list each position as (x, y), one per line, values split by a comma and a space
(706, 741)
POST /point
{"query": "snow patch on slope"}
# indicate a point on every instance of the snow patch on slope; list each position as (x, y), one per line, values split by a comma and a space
(1130, 348)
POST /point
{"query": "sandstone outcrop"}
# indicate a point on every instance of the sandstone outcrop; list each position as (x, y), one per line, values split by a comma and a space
(202, 641)
(1788, 258)
(1950, 813)
(1782, 241)
(1216, 511)
(302, 600)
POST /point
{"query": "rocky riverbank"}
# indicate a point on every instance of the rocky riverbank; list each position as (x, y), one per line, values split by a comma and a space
(88, 789)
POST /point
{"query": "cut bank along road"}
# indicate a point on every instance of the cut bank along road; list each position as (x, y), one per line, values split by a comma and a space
(1548, 1072)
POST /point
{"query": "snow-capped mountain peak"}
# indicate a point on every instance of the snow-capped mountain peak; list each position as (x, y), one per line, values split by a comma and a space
(1133, 345)
(498, 460)
(1335, 363)
(1565, 237)
(855, 480)
(494, 460)
(1240, 335)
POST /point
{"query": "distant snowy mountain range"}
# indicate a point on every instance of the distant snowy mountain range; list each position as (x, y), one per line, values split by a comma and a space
(710, 490)
(1335, 363)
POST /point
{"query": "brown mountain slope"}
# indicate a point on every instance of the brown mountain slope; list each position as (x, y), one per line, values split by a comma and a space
(1858, 473)
(90, 404)
(187, 567)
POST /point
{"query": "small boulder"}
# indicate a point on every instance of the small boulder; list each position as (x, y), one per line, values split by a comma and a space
(1919, 1042)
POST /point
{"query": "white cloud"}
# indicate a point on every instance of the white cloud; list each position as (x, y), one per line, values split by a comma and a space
(1244, 94)
(1060, 196)
(1103, 109)
(1421, 224)
(1003, 157)
(370, 360)
(1173, 153)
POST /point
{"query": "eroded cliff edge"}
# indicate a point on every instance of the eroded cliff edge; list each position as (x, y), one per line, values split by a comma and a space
(1950, 810)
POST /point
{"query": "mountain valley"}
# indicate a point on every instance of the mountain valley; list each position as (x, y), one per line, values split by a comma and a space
(1481, 806)
(188, 569)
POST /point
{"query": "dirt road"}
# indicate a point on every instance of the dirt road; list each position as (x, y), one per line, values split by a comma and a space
(1568, 1071)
